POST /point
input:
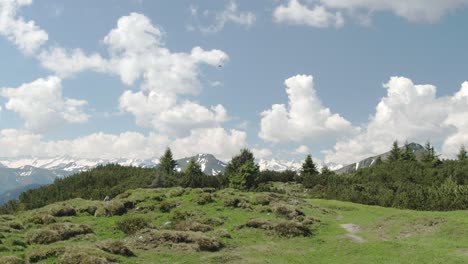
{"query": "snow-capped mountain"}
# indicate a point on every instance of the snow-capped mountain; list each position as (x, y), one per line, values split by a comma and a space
(71, 164)
(208, 163)
(294, 165)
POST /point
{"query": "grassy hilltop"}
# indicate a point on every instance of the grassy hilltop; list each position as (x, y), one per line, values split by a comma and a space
(185, 225)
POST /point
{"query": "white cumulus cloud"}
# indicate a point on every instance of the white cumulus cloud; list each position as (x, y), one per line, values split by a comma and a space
(42, 105)
(217, 141)
(408, 112)
(26, 35)
(304, 118)
(298, 14)
(137, 53)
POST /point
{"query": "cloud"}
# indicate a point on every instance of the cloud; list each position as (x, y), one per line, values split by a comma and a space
(412, 10)
(303, 149)
(42, 105)
(26, 35)
(137, 54)
(223, 144)
(66, 63)
(261, 153)
(408, 112)
(217, 141)
(297, 14)
(230, 14)
(304, 118)
(15, 143)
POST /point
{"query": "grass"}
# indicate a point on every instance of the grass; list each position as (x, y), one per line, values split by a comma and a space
(391, 235)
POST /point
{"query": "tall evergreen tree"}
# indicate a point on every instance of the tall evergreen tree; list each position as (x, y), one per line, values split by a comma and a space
(395, 153)
(167, 164)
(246, 176)
(193, 175)
(309, 167)
(430, 156)
(242, 171)
(462, 155)
(308, 172)
(408, 154)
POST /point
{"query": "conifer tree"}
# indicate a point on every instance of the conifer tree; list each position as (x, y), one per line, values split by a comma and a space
(430, 156)
(408, 154)
(242, 171)
(395, 153)
(309, 167)
(167, 164)
(193, 175)
(462, 155)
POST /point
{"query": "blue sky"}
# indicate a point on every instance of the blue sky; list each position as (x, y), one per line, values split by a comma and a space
(340, 79)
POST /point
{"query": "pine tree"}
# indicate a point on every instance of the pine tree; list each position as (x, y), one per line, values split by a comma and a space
(193, 175)
(246, 176)
(462, 155)
(430, 156)
(241, 171)
(167, 164)
(309, 167)
(408, 154)
(395, 153)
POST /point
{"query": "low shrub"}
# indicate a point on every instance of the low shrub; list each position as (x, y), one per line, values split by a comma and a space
(116, 247)
(166, 206)
(292, 229)
(204, 198)
(130, 225)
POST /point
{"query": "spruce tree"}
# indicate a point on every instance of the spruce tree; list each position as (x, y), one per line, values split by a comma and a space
(241, 171)
(246, 176)
(193, 175)
(309, 167)
(308, 172)
(408, 154)
(395, 153)
(167, 164)
(430, 156)
(462, 155)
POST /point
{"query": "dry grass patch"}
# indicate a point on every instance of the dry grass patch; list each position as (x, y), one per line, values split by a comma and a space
(173, 240)
(116, 247)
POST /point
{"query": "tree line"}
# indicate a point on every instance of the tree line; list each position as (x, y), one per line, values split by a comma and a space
(402, 181)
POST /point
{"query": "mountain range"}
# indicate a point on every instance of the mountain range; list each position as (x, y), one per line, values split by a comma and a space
(20, 174)
(417, 149)
(23, 173)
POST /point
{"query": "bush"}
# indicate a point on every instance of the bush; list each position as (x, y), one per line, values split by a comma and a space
(116, 247)
(41, 253)
(292, 229)
(11, 260)
(259, 223)
(166, 207)
(204, 198)
(111, 208)
(131, 225)
(43, 236)
(82, 257)
(42, 219)
(62, 210)
(287, 211)
(149, 239)
(69, 230)
(192, 226)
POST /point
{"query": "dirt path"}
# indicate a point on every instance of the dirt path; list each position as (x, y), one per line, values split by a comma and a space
(352, 230)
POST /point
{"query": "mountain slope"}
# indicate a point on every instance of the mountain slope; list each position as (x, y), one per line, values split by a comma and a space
(209, 164)
(418, 150)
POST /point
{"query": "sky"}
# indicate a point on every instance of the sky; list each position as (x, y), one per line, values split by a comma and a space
(338, 79)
